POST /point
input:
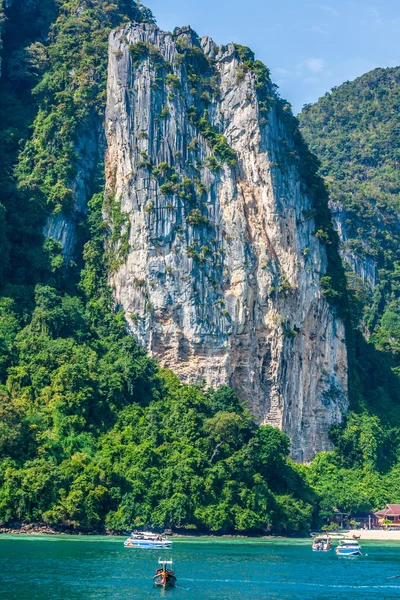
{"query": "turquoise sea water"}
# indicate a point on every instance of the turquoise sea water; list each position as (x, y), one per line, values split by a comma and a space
(70, 568)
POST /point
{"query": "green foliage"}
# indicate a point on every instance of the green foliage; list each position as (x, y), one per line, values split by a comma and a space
(118, 241)
(172, 81)
(244, 53)
(363, 442)
(92, 432)
(353, 131)
(212, 163)
(350, 489)
(52, 91)
(142, 51)
(203, 77)
(216, 140)
(9, 326)
(139, 52)
(293, 514)
(264, 88)
(70, 95)
(195, 217)
(362, 473)
(165, 112)
(167, 189)
(224, 399)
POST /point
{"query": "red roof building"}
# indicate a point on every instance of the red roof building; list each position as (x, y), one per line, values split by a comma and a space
(390, 513)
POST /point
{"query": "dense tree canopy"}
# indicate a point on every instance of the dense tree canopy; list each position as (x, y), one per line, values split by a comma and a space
(354, 131)
(92, 431)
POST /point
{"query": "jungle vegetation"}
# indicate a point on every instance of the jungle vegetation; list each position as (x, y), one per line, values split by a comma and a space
(92, 432)
(354, 132)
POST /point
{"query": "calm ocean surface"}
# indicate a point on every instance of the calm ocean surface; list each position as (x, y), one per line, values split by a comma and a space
(43, 568)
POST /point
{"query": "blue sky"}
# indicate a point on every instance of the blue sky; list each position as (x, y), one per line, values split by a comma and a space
(309, 46)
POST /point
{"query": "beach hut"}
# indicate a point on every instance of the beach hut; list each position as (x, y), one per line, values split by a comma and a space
(365, 520)
(390, 513)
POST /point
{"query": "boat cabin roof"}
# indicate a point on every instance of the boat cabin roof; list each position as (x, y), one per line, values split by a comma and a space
(147, 535)
(162, 561)
(349, 542)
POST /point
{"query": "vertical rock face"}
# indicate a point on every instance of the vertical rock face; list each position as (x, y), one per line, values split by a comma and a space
(363, 266)
(64, 228)
(215, 261)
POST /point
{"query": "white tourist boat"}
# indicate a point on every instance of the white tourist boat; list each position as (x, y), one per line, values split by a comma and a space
(146, 539)
(321, 543)
(348, 548)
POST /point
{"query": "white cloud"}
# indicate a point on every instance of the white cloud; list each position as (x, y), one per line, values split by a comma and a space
(315, 65)
(327, 9)
(320, 29)
(311, 80)
(281, 72)
(373, 11)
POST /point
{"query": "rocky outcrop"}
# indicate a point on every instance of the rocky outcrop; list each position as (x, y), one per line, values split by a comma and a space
(42, 528)
(216, 264)
(62, 227)
(363, 266)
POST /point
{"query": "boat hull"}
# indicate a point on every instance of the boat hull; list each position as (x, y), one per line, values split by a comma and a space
(347, 552)
(147, 544)
(169, 582)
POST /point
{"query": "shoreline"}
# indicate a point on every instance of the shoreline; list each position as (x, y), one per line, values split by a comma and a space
(379, 535)
(48, 530)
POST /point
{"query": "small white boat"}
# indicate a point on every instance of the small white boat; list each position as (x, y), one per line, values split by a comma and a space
(321, 543)
(165, 575)
(348, 548)
(146, 539)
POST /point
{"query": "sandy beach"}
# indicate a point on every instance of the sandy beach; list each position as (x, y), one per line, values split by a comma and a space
(375, 534)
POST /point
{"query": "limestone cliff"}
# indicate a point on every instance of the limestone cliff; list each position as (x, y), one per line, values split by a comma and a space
(363, 265)
(216, 264)
(89, 149)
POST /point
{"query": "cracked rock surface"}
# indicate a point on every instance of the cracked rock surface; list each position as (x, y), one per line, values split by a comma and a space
(229, 293)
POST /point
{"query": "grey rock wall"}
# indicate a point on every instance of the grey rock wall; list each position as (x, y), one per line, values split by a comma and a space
(363, 266)
(64, 228)
(232, 296)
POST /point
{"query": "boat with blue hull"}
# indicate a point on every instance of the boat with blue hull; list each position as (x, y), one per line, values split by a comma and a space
(348, 548)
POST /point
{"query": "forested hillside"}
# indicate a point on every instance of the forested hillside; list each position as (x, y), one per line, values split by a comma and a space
(92, 431)
(354, 131)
